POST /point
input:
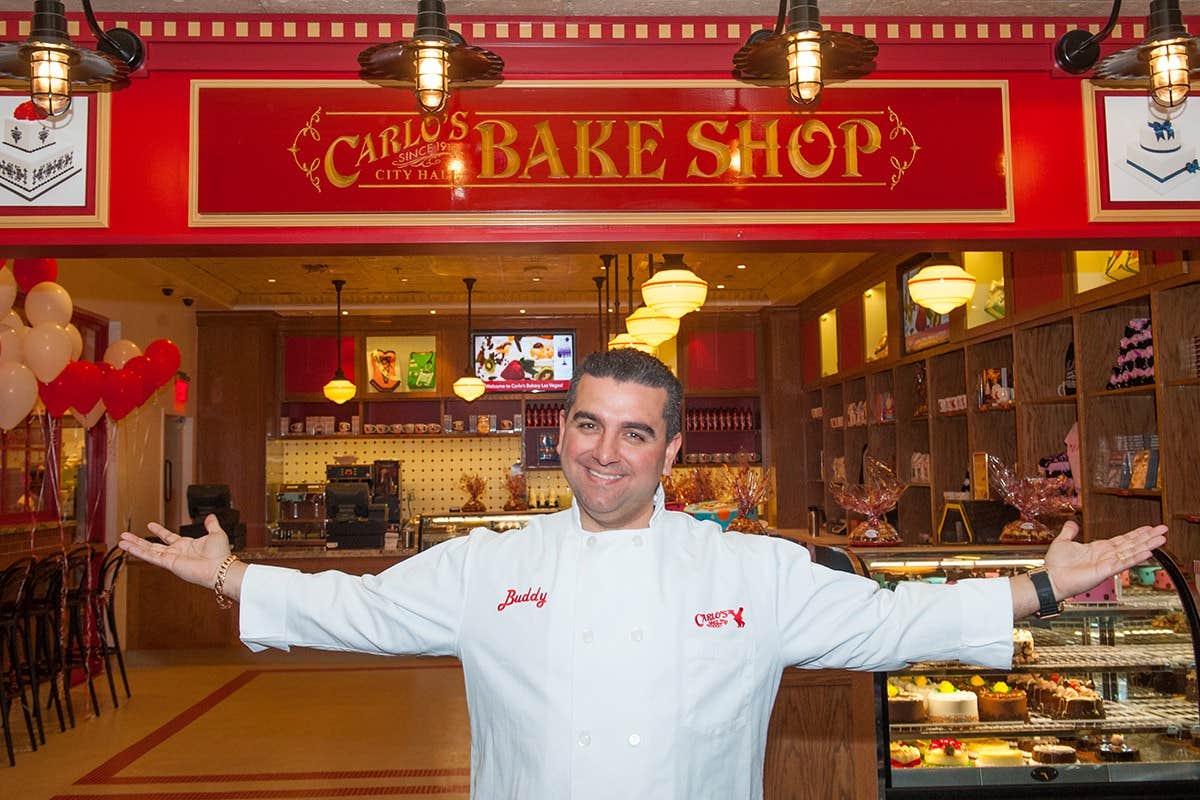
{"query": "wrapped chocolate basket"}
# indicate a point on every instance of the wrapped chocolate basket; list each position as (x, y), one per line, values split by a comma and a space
(873, 500)
(1034, 497)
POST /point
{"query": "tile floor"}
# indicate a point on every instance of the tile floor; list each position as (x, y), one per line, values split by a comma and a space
(227, 725)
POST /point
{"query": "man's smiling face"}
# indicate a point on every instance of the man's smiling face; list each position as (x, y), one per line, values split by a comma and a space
(614, 450)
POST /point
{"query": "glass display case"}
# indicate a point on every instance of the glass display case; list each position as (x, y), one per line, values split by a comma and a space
(1100, 700)
(437, 528)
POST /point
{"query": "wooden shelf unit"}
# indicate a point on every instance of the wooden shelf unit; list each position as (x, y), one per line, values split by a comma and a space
(1034, 351)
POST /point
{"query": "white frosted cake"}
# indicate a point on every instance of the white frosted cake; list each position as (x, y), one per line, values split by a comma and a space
(948, 704)
(1160, 158)
(31, 160)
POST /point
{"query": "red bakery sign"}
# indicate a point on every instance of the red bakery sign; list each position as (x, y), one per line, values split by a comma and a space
(582, 152)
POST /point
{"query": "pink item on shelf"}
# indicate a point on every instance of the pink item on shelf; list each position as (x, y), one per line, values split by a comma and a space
(1108, 591)
(1163, 582)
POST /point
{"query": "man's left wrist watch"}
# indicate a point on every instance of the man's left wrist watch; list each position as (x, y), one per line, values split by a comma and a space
(1048, 605)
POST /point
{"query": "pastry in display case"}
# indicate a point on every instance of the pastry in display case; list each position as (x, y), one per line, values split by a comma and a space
(436, 528)
(1102, 696)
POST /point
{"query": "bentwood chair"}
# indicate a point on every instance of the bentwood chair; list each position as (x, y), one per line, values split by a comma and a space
(14, 652)
(40, 626)
(106, 620)
(79, 606)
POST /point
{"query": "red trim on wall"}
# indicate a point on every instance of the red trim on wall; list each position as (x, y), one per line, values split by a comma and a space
(1037, 278)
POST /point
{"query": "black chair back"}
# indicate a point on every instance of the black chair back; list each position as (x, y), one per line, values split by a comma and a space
(14, 581)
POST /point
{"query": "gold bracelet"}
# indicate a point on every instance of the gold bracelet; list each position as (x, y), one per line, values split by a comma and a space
(219, 585)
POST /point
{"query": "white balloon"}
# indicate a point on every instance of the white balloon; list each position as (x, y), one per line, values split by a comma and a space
(76, 341)
(13, 320)
(8, 290)
(92, 417)
(12, 347)
(18, 394)
(48, 302)
(47, 350)
(121, 351)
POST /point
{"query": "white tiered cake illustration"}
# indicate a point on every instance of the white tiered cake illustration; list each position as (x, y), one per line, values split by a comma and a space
(32, 162)
(1160, 159)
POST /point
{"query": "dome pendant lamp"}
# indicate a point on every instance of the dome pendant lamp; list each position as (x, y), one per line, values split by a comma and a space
(675, 290)
(652, 327)
(469, 387)
(1168, 57)
(339, 390)
(941, 285)
(434, 61)
(626, 341)
(805, 55)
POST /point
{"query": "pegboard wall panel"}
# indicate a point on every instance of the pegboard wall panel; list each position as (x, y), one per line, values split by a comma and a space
(431, 469)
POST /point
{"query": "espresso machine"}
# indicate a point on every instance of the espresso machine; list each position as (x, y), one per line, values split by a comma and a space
(352, 520)
(301, 514)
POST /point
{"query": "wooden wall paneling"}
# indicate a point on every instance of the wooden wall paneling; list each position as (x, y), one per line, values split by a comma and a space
(1041, 428)
(822, 717)
(850, 334)
(1180, 469)
(784, 412)
(1112, 511)
(833, 441)
(1039, 360)
(237, 408)
(914, 510)
(948, 430)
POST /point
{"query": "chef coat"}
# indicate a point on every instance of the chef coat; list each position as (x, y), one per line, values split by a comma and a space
(625, 664)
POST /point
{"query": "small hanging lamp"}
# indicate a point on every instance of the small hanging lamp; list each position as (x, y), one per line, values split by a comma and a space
(674, 290)
(625, 341)
(652, 327)
(339, 390)
(941, 285)
(1167, 57)
(434, 61)
(469, 387)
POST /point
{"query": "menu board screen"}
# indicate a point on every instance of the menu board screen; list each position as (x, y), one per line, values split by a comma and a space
(524, 361)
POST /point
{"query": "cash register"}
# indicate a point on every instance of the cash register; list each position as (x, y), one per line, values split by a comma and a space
(351, 519)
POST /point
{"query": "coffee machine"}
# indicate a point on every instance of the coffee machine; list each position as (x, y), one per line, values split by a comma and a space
(351, 519)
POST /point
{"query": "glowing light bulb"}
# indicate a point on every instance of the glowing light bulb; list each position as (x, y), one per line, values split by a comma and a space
(1169, 69)
(50, 80)
(433, 76)
(804, 66)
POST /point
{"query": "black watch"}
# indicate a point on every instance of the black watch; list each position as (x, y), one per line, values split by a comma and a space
(1048, 606)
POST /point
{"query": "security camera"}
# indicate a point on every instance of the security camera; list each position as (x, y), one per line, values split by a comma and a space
(187, 301)
(167, 291)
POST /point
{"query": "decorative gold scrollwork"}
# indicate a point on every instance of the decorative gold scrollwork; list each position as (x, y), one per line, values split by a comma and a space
(899, 129)
(308, 131)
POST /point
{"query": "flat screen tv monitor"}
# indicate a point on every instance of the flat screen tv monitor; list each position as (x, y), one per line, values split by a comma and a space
(524, 361)
(207, 498)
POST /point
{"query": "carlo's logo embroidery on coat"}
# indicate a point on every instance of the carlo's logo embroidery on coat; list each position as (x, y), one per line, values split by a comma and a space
(719, 619)
(536, 596)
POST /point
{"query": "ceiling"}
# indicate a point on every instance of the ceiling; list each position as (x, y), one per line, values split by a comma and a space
(416, 284)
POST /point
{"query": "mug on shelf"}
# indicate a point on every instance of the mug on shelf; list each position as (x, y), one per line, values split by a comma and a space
(458, 425)
(343, 427)
(296, 427)
(368, 427)
(409, 427)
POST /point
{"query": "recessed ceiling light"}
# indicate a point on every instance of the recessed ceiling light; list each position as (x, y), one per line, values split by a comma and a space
(345, 313)
(741, 266)
(270, 280)
(720, 286)
(522, 311)
(404, 280)
(433, 311)
(610, 309)
(536, 279)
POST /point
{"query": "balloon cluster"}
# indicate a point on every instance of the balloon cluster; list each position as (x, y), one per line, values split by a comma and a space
(42, 359)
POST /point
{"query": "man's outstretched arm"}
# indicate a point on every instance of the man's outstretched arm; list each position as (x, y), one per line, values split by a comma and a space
(1075, 567)
(194, 560)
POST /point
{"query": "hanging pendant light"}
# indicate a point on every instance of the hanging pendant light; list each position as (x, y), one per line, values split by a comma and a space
(469, 387)
(652, 327)
(434, 61)
(1167, 57)
(52, 64)
(674, 290)
(625, 341)
(805, 55)
(339, 390)
(941, 285)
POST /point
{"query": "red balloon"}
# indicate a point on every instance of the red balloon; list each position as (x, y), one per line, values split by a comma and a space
(29, 272)
(164, 355)
(143, 369)
(88, 381)
(121, 392)
(56, 395)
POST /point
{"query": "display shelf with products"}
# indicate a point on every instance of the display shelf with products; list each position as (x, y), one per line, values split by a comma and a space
(721, 429)
(436, 528)
(1104, 694)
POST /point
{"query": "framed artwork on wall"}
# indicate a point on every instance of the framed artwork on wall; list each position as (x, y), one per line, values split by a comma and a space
(400, 364)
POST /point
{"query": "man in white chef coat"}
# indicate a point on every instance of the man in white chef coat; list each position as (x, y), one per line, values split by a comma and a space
(616, 649)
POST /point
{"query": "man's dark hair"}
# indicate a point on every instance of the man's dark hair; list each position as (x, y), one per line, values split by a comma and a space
(632, 366)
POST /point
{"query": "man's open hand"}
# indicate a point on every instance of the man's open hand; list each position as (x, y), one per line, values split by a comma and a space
(193, 560)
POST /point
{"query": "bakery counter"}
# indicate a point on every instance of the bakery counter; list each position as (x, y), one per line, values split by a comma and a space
(194, 621)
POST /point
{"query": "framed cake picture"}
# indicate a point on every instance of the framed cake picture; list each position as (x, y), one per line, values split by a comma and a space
(54, 172)
(1143, 159)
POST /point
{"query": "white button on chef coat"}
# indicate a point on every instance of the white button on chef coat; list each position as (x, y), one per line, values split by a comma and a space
(588, 636)
(551, 720)
(636, 634)
(638, 541)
